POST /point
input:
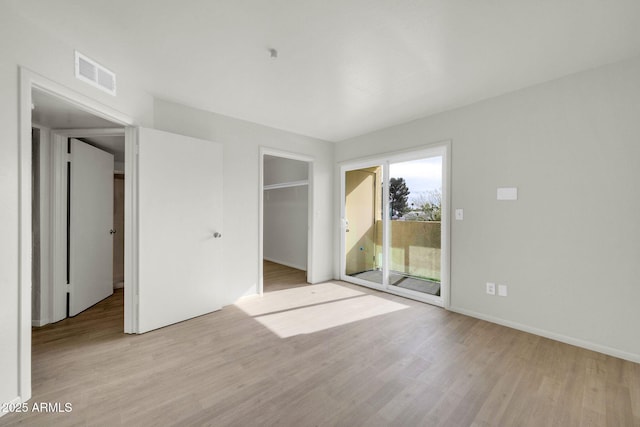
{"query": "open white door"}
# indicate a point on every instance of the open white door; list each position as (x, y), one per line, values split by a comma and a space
(179, 228)
(90, 226)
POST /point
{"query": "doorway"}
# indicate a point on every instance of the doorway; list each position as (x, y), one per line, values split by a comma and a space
(363, 232)
(285, 220)
(30, 84)
(74, 167)
(394, 234)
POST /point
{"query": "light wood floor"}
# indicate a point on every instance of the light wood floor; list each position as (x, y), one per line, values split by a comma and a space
(329, 354)
(277, 277)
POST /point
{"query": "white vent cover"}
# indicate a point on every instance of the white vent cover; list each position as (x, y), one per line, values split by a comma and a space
(89, 71)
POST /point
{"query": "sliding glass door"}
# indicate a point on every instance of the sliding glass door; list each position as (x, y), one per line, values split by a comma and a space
(415, 231)
(394, 216)
(363, 223)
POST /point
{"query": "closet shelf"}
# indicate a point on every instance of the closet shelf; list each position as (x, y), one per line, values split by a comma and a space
(286, 185)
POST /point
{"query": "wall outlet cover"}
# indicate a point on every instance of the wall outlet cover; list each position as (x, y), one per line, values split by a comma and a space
(491, 288)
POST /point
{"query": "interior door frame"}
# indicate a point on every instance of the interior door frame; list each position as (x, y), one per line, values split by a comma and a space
(266, 151)
(384, 160)
(57, 306)
(30, 80)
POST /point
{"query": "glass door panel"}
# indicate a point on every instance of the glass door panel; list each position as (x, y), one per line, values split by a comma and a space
(363, 224)
(415, 232)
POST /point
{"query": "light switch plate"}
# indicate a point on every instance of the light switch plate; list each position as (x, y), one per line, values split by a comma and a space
(508, 193)
(459, 214)
(502, 290)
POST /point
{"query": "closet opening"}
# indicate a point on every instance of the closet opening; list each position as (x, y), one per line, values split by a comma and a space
(286, 215)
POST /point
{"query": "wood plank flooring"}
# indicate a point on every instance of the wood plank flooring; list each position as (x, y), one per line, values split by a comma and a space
(277, 277)
(332, 354)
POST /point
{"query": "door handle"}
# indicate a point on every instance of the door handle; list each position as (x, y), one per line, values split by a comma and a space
(217, 235)
(112, 231)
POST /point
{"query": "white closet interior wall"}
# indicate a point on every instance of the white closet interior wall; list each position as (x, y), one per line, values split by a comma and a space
(286, 200)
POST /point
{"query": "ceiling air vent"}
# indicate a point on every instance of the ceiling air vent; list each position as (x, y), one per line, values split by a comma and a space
(89, 71)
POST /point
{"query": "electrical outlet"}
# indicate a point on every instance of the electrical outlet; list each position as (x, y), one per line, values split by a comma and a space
(502, 290)
(491, 288)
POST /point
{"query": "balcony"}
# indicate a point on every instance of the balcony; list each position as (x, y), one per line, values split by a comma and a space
(414, 255)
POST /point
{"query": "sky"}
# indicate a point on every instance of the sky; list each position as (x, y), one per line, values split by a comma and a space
(420, 175)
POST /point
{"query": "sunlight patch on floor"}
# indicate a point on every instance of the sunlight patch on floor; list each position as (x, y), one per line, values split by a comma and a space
(301, 311)
(288, 299)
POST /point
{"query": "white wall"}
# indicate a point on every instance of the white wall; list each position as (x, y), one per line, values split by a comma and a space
(279, 169)
(286, 212)
(37, 233)
(41, 228)
(21, 44)
(285, 226)
(242, 141)
(568, 249)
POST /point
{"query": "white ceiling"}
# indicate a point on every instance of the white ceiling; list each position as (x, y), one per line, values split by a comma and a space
(345, 67)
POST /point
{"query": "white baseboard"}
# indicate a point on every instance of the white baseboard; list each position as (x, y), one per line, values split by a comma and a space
(39, 323)
(288, 264)
(13, 402)
(552, 335)
(321, 279)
